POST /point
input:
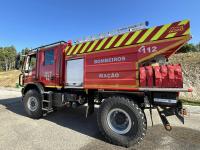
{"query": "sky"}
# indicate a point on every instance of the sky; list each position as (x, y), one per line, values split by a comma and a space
(32, 23)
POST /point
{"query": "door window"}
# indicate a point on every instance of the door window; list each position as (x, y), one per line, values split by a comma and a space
(32, 64)
(49, 57)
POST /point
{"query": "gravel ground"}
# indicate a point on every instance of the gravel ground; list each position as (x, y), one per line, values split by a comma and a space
(69, 129)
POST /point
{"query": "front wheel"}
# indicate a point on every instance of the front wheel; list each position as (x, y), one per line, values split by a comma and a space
(121, 121)
(33, 104)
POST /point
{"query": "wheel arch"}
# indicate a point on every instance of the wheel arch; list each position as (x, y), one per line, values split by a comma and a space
(36, 86)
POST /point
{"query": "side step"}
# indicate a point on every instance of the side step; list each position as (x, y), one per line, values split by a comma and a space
(47, 103)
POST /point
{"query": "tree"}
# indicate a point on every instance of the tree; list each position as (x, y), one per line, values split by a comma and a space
(188, 48)
(7, 58)
(198, 47)
(1, 59)
(25, 51)
(21, 55)
(17, 61)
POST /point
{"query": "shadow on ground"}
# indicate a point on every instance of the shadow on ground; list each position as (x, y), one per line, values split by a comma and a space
(67, 117)
(156, 138)
(159, 139)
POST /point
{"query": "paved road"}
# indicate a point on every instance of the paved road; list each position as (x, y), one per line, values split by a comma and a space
(68, 129)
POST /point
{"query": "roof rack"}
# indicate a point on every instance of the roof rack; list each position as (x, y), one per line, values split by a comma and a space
(48, 45)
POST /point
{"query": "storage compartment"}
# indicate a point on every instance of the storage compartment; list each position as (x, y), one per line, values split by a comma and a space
(74, 72)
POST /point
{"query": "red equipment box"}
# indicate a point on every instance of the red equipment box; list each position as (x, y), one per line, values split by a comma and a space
(150, 76)
(171, 74)
(143, 77)
(178, 76)
(164, 74)
(158, 76)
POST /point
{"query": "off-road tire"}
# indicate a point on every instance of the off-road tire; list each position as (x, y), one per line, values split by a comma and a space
(38, 112)
(138, 129)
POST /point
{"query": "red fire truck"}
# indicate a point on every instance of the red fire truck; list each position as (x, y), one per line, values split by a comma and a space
(123, 73)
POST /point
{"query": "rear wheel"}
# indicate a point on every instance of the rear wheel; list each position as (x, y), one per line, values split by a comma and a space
(121, 121)
(32, 104)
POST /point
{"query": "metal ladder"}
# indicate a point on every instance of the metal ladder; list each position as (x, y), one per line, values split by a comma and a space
(47, 103)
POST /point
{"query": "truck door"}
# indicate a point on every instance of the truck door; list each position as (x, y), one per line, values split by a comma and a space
(47, 66)
(30, 68)
(74, 72)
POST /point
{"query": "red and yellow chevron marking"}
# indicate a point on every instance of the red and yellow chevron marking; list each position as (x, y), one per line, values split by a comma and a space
(176, 29)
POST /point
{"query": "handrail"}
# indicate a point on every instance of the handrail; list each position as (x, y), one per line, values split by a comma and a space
(48, 45)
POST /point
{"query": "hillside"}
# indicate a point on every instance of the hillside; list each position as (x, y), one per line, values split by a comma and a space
(9, 78)
(191, 71)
